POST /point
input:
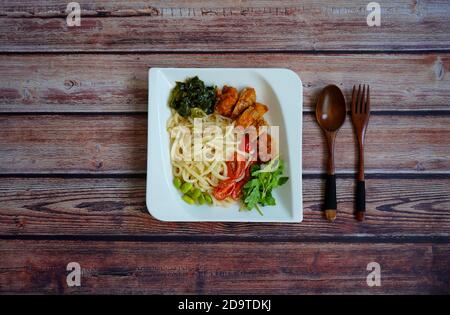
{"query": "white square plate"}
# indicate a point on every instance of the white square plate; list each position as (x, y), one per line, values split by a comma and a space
(280, 89)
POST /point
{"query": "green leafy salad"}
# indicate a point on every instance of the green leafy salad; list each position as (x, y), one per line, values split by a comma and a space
(264, 178)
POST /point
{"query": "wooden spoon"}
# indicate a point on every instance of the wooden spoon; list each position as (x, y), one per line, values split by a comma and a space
(330, 114)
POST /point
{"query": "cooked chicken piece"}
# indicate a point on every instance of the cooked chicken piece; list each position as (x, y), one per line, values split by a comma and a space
(247, 97)
(251, 115)
(227, 99)
(246, 118)
(260, 123)
(261, 109)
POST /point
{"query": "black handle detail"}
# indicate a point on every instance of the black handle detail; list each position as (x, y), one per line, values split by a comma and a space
(330, 193)
(361, 196)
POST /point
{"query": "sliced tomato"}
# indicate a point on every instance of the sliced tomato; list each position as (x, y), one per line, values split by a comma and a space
(245, 143)
(248, 145)
(224, 189)
(237, 191)
(231, 168)
(240, 169)
(235, 168)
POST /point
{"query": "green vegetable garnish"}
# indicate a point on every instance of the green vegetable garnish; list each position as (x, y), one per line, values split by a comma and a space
(197, 112)
(177, 182)
(186, 187)
(264, 178)
(201, 199)
(196, 193)
(193, 98)
(208, 198)
(188, 199)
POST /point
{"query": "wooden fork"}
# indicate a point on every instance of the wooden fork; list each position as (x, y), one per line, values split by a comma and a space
(360, 119)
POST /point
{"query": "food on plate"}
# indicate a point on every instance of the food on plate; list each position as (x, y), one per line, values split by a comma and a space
(247, 97)
(221, 148)
(193, 98)
(252, 115)
(196, 165)
(227, 98)
(263, 179)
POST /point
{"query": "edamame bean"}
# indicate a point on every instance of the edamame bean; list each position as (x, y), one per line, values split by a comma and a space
(192, 197)
(196, 193)
(201, 199)
(208, 198)
(186, 187)
(177, 182)
(188, 199)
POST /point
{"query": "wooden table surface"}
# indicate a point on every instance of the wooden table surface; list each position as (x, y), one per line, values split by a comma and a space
(73, 131)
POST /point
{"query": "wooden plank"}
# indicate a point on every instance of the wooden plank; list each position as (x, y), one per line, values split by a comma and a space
(396, 207)
(223, 268)
(118, 83)
(96, 144)
(231, 25)
(117, 144)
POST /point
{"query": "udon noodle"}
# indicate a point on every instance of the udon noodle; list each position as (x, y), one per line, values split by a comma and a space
(202, 163)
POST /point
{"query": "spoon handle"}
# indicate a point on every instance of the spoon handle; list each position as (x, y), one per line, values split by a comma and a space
(330, 186)
(330, 197)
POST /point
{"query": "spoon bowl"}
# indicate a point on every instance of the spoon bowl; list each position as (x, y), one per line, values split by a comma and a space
(331, 109)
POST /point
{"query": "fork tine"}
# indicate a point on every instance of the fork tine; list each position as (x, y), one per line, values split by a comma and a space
(363, 99)
(354, 100)
(367, 111)
(358, 99)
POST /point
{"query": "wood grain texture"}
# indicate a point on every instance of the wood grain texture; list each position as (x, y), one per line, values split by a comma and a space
(72, 184)
(222, 268)
(396, 208)
(117, 144)
(52, 144)
(118, 83)
(226, 26)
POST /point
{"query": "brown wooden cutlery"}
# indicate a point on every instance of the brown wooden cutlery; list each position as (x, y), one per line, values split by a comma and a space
(360, 119)
(330, 114)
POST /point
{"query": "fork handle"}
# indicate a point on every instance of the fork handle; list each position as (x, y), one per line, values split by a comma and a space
(360, 199)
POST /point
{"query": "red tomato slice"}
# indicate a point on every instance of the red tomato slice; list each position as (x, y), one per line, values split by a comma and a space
(231, 168)
(240, 169)
(235, 168)
(237, 191)
(247, 145)
(224, 189)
